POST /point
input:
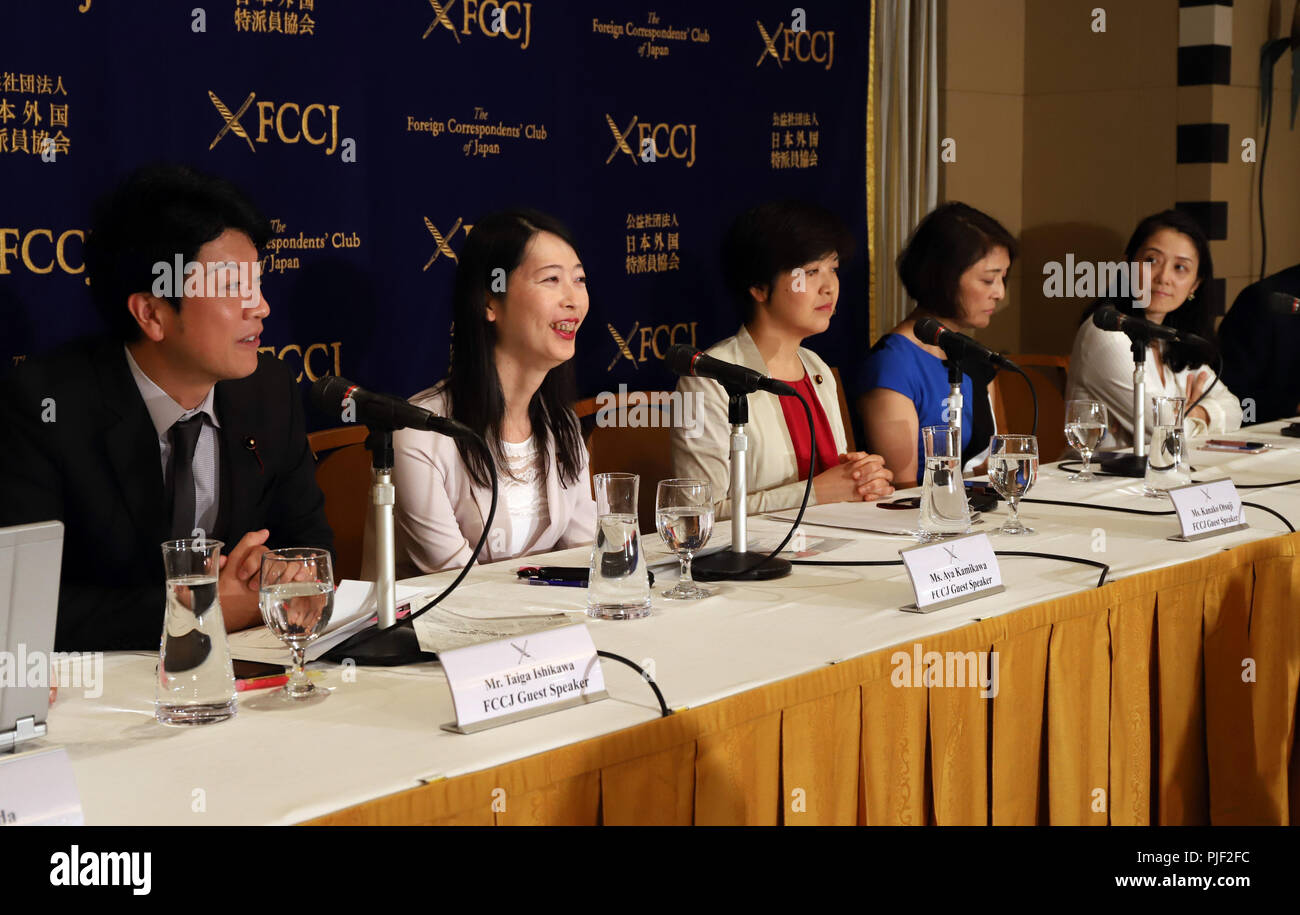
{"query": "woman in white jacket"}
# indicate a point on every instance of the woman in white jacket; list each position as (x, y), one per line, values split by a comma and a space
(1181, 296)
(781, 262)
(520, 296)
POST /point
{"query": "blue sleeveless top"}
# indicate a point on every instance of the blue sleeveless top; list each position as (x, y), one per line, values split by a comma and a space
(898, 364)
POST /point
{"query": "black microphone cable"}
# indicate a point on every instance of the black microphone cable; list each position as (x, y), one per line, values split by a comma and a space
(1032, 392)
(803, 505)
(663, 706)
(1205, 393)
(362, 637)
(1272, 512)
(1138, 511)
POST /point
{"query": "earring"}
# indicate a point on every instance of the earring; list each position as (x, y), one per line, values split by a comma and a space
(1190, 296)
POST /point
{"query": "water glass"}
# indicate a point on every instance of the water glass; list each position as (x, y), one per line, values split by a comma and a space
(618, 587)
(1085, 427)
(196, 684)
(296, 593)
(1013, 468)
(944, 509)
(684, 518)
(1167, 455)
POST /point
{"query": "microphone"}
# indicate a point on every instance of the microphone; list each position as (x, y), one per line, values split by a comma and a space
(382, 411)
(1283, 303)
(1109, 317)
(684, 359)
(929, 330)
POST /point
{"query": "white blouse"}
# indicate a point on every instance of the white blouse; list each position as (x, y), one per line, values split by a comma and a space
(523, 496)
(1101, 369)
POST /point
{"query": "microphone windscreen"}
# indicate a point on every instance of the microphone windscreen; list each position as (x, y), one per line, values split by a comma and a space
(927, 330)
(327, 393)
(1283, 303)
(680, 357)
(1108, 318)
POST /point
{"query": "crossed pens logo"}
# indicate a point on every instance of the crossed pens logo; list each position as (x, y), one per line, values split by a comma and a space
(624, 351)
(653, 141)
(952, 553)
(799, 43)
(442, 241)
(231, 124)
(512, 20)
(288, 122)
(769, 43)
(652, 338)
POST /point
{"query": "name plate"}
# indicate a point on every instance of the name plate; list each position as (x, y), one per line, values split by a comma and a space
(495, 683)
(951, 572)
(38, 789)
(1208, 509)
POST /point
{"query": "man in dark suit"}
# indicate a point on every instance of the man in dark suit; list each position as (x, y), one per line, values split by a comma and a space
(1260, 346)
(171, 423)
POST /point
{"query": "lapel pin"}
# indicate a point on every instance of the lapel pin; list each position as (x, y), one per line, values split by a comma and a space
(250, 444)
(817, 378)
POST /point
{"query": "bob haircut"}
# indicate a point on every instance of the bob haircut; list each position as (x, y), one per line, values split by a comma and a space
(951, 239)
(500, 240)
(773, 238)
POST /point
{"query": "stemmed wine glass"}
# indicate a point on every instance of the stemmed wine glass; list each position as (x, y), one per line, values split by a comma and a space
(684, 517)
(1085, 426)
(297, 600)
(1013, 468)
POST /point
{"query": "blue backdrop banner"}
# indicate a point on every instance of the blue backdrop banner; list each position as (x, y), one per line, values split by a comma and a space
(373, 134)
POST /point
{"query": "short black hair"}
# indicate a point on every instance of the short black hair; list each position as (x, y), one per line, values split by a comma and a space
(157, 212)
(775, 237)
(951, 239)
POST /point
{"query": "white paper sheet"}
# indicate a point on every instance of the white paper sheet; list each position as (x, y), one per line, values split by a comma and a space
(441, 629)
(858, 516)
(354, 610)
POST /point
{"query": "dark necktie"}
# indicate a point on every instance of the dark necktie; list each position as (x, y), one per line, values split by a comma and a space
(180, 475)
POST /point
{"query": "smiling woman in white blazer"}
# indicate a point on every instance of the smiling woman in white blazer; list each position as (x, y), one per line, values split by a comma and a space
(781, 262)
(511, 381)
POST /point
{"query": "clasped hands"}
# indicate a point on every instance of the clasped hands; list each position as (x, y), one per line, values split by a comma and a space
(859, 477)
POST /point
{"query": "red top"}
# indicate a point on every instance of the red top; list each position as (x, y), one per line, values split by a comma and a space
(795, 420)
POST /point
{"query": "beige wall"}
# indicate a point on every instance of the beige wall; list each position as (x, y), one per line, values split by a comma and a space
(982, 108)
(1068, 136)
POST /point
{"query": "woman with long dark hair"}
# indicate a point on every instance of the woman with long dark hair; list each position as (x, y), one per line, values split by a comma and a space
(1182, 296)
(520, 296)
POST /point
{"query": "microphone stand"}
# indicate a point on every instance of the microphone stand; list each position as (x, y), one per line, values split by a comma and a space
(954, 393)
(393, 645)
(728, 564)
(1135, 464)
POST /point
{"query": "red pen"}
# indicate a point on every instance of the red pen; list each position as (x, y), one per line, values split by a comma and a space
(261, 682)
(270, 680)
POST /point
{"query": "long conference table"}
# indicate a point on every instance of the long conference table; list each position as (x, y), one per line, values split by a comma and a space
(1166, 696)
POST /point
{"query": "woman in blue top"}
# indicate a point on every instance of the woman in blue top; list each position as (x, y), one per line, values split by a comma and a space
(954, 267)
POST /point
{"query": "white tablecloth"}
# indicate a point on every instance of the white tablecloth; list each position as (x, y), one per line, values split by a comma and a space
(380, 734)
